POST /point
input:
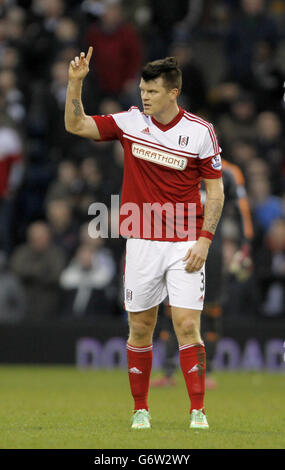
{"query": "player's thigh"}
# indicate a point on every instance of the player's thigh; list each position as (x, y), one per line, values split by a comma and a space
(144, 279)
(186, 290)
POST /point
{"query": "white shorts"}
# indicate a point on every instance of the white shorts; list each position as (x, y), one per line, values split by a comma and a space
(155, 269)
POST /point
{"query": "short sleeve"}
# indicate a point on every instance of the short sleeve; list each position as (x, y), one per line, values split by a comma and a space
(211, 167)
(210, 146)
(108, 129)
(209, 158)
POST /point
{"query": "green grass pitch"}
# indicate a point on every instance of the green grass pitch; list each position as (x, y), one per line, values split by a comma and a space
(46, 407)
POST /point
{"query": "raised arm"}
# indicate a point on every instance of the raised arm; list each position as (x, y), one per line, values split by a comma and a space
(76, 121)
(197, 255)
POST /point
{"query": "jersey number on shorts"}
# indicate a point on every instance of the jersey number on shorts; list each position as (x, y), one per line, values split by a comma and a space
(202, 287)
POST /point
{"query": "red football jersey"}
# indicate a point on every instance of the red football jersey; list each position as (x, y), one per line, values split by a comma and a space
(163, 168)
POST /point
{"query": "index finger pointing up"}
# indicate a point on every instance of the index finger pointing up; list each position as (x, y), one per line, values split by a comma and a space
(89, 54)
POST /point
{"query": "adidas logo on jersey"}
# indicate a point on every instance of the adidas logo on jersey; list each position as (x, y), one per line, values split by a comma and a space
(146, 131)
(134, 370)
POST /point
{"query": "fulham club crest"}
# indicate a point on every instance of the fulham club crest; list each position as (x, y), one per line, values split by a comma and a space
(183, 141)
(129, 295)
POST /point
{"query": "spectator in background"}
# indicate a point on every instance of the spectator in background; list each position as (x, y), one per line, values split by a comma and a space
(15, 22)
(221, 96)
(105, 150)
(193, 95)
(109, 256)
(88, 12)
(12, 296)
(242, 151)
(39, 39)
(238, 282)
(52, 100)
(277, 11)
(63, 227)
(38, 264)
(10, 59)
(11, 174)
(59, 83)
(270, 270)
(66, 33)
(240, 122)
(267, 78)
(66, 43)
(117, 53)
(271, 147)
(39, 165)
(265, 206)
(164, 17)
(66, 185)
(94, 187)
(12, 95)
(251, 26)
(110, 106)
(86, 281)
(117, 168)
(257, 169)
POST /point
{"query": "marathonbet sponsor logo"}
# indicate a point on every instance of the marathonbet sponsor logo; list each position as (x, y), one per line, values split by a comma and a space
(159, 157)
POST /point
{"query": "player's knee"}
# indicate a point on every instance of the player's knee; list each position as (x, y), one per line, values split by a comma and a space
(188, 327)
(140, 329)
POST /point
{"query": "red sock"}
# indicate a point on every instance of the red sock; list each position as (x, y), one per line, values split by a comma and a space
(139, 365)
(193, 365)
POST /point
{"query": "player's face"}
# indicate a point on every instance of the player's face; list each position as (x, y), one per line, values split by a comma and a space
(156, 98)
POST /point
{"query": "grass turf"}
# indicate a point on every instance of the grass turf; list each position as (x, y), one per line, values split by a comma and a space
(66, 408)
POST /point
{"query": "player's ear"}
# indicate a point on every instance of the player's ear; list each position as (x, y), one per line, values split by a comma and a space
(174, 93)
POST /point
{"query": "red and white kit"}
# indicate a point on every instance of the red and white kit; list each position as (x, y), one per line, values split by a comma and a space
(163, 168)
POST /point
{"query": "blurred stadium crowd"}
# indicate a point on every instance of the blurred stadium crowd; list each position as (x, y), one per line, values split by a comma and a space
(232, 54)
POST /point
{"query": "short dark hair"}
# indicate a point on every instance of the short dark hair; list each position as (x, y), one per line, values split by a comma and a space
(166, 68)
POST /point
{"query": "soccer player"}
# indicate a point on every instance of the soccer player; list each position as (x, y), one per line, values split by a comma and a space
(167, 152)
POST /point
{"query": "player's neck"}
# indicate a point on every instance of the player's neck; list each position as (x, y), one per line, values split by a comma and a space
(167, 115)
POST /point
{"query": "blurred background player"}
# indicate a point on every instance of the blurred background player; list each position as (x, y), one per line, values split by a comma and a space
(211, 320)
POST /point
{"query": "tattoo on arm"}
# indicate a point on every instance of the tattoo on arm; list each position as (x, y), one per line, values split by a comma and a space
(213, 210)
(77, 108)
